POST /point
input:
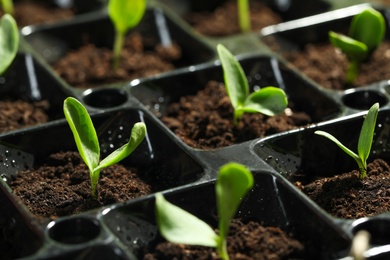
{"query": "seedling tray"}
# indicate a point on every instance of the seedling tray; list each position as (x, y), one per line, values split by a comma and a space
(186, 175)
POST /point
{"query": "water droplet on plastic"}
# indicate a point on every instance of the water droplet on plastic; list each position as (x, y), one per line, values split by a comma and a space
(13, 163)
(7, 153)
(4, 177)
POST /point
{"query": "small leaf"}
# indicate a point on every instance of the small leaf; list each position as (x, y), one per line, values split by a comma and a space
(369, 28)
(137, 136)
(9, 41)
(178, 226)
(268, 101)
(354, 49)
(234, 181)
(367, 133)
(126, 14)
(339, 144)
(83, 131)
(235, 80)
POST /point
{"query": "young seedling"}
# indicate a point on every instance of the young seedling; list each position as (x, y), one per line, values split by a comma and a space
(8, 6)
(268, 100)
(179, 226)
(244, 15)
(9, 41)
(366, 33)
(364, 142)
(124, 14)
(87, 142)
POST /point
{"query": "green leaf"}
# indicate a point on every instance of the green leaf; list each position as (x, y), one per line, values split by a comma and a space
(369, 28)
(268, 101)
(354, 49)
(9, 41)
(339, 144)
(234, 181)
(137, 136)
(235, 80)
(178, 226)
(126, 14)
(83, 132)
(367, 133)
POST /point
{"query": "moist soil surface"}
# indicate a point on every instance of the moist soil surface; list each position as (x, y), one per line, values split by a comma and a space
(17, 114)
(61, 186)
(28, 12)
(316, 59)
(245, 241)
(90, 66)
(205, 120)
(223, 20)
(347, 196)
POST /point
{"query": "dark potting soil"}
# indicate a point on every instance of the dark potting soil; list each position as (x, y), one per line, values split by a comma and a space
(316, 59)
(28, 12)
(245, 241)
(61, 186)
(90, 66)
(205, 120)
(223, 20)
(346, 196)
(17, 114)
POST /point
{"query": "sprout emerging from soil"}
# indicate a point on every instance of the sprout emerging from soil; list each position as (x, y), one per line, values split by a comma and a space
(7, 6)
(9, 41)
(364, 143)
(268, 100)
(179, 226)
(87, 142)
(125, 14)
(244, 19)
(366, 33)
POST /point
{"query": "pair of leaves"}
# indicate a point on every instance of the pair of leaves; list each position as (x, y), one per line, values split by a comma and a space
(179, 226)
(87, 141)
(365, 140)
(366, 32)
(268, 100)
(9, 41)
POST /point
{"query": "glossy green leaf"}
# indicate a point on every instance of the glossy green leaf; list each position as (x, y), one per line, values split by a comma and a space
(354, 49)
(9, 41)
(178, 226)
(268, 101)
(137, 136)
(369, 28)
(126, 14)
(367, 133)
(83, 131)
(233, 183)
(235, 80)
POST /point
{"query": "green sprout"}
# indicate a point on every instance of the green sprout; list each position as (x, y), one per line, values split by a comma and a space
(244, 15)
(268, 100)
(364, 143)
(366, 33)
(9, 41)
(179, 226)
(87, 142)
(124, 14)
(8, 6)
